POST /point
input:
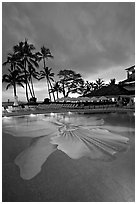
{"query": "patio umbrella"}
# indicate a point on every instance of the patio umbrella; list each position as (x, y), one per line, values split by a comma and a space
(103, 98)
(74, 99)
(64, 99)
(83, 99)
(86, 98)
(60, 99)
(68, 99)
(93, 99)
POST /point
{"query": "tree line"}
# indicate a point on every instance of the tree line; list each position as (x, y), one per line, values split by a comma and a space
(24, 63)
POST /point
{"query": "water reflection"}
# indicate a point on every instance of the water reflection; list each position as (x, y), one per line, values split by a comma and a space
(75, 136)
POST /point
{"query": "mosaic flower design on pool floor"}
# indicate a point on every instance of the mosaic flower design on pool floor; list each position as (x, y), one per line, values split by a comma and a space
(76, 141)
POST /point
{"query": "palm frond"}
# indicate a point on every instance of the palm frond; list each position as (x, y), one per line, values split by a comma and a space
(5, 78)
(4, 63)
(51, 74)
(51, 79)
(20, 84)
(8, 86)
(34, 62)
(41, 77)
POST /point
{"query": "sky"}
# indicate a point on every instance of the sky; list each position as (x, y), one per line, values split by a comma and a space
(95, 39)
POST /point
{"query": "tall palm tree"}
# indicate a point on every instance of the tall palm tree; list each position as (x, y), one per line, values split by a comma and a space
(56, 88)
(13, 79)
(24, 52)
(32, 73)
(44, 55)
(49, 75)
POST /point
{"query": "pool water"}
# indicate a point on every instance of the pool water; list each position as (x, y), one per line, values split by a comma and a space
(97, 138)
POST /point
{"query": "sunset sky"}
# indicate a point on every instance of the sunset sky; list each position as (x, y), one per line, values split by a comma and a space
(94, 39)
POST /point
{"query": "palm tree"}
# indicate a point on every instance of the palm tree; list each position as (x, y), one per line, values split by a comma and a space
(99, 84)
(13, 61)
(44, 55)
(88, 87)
(32, 73)
(49, 75)
(112, 81)
(24, 52)
(56, 88)
(13, 78)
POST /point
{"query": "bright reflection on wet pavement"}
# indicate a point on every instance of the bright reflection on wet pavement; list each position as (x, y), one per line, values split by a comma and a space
(75, 135)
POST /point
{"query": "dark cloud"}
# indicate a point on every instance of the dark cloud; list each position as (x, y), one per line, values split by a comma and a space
(89, 37)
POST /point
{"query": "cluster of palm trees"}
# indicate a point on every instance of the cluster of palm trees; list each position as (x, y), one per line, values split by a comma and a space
(24, 63)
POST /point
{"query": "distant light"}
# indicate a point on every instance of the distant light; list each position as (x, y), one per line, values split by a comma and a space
(6, 118)
(52, 114)
(32, 115)
(69, 113)
(40, 114)
(9, 111)
(113, 99)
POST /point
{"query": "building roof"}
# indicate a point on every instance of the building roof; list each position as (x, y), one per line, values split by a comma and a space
(129, 80)
(130, 68)
(110, 90)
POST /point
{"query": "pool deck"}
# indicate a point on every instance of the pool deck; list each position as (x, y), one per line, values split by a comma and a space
(64, 110)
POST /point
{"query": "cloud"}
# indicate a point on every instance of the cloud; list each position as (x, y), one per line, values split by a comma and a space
(89, 37)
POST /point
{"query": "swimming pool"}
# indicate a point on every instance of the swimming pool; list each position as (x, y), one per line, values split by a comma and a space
(102, 142)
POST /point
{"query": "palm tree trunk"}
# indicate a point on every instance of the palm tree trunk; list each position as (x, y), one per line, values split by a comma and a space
(30, 90)
(53, 91)
(14, 88)
(57, 94)
(54, 97)
(27, 92)
(48, 90)
(32, 87)
(15, 95)
(63, 90)
(47, 79)
(26, 81)
(67, 94)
